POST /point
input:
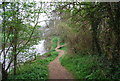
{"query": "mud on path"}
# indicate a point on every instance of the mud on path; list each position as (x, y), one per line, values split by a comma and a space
(56, 70)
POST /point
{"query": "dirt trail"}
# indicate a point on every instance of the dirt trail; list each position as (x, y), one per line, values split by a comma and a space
(56, 70)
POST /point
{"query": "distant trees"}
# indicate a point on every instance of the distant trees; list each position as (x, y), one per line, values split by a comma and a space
(92, 28)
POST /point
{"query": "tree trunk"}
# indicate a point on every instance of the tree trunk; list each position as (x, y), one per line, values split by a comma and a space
(114, 11)
(4, 73)
(95, 42)
(15, 50)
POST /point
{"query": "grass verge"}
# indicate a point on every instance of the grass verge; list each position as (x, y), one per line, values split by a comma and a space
(35, 70)
(83, 66)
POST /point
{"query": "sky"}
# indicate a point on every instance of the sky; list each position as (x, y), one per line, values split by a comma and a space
(42, 17)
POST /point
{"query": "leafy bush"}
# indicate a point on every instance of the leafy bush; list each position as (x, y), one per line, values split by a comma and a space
(54, 43)
(36, 69)
(83, 67)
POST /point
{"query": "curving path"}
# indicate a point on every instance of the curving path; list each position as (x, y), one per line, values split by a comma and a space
(56, 70)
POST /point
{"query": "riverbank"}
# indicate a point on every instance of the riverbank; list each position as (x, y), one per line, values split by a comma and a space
(84, 66)
(36, 69)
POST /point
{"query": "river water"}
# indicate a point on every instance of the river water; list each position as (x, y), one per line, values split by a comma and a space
(38, 49)
(29, 54)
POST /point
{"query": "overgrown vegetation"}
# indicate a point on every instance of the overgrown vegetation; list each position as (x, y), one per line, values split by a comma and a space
(84, 67)
(37, 69)
(18, 33)
(89, 29)
(54, 42)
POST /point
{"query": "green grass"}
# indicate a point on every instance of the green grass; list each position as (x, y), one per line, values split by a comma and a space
(63, 48)
(83, 66)
(54, 43)
(36, 69)
(61, 43)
